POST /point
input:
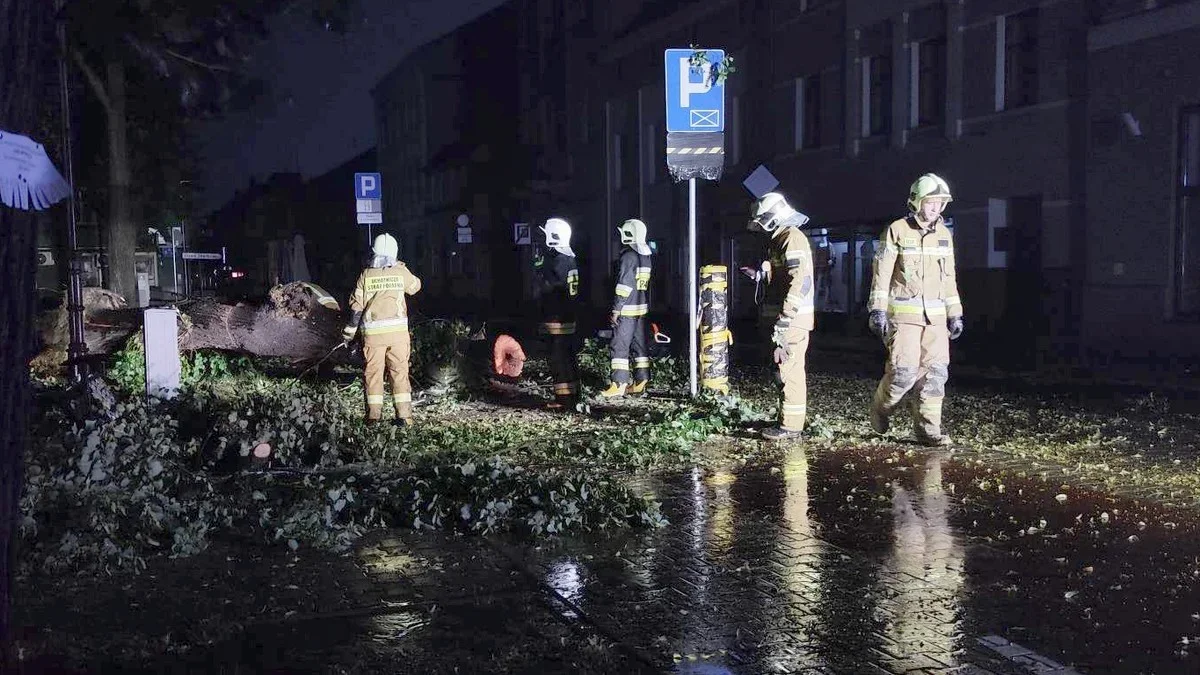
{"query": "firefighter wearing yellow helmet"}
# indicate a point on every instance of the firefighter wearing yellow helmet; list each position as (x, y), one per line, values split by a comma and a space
(377, 309)
(557, 292)
(787, 304)
(631, 304)
(915, 308)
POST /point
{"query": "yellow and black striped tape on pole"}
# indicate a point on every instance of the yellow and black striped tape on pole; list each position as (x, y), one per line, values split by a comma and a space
(715, 337)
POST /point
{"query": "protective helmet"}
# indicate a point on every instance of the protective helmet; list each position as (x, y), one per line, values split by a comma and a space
(769, 212)
(386, 246)
(632, 231)
(929, 185)
(558, 233)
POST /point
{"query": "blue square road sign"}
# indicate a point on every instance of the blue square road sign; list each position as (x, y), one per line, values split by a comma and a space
(368, 186)
(695, 102)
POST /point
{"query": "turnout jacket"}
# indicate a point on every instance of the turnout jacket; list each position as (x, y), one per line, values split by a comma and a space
(632, 294)
(914, 278)
(378, 300)
(557, 286)
(789, 296)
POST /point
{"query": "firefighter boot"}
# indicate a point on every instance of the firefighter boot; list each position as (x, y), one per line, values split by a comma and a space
(879, 421)
(615, 390)
(938, 440)
(781, 433)
(638, 388)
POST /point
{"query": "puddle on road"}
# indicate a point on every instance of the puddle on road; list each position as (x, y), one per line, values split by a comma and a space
(896, 558)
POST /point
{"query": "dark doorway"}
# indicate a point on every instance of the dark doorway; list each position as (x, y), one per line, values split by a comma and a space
(1024, 318)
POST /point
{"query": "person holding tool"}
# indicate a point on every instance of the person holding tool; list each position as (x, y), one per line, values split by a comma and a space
(788, 303)
(557, 292)
(378, 309)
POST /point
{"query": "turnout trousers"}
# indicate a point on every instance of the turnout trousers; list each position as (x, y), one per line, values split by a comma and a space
(628, 348)
(387, 354)
(918, 361)
(563, 368)
(793, 410)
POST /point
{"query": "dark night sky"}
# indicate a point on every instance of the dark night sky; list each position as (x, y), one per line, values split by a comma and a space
(317, 111)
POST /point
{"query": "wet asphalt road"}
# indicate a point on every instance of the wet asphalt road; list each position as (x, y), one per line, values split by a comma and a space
(881, 560)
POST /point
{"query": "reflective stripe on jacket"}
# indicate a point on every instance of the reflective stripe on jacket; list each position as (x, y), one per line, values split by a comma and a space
(632, 294)
(914, 277)
(789, 297)
(379, 298)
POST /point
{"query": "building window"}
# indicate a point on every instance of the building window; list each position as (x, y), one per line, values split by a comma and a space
(808, 112)
(649, 155)
(1187, 221)
(1017, 60)
(617, 161)
(928, 102)
(876, 96)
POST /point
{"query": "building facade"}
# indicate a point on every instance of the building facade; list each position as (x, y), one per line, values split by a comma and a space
(1028, 107)
(448, 147)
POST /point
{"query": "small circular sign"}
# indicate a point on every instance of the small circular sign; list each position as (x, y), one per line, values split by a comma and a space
(463, 220)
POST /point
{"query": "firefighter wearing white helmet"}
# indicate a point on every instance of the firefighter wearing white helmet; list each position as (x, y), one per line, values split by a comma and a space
(378, 310)
(787, 304)
(915, 308)
(631, 304)
(557, 291)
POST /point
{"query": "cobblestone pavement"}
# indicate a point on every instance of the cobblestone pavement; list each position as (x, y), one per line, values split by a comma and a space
(883, 561)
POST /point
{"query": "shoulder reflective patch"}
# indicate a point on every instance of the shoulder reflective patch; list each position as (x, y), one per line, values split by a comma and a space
(388, 283)
(943, 242)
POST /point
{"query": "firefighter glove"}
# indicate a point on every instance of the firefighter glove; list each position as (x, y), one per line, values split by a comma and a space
(348, 333)
(955, 325)
(612, 319)
(877, 321)
(781, 354)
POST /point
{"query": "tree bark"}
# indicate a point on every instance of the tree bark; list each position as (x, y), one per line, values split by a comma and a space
(120, 230)
(292, 325)
(24, 50)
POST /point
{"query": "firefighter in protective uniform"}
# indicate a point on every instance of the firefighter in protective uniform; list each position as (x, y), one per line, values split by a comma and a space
(557, 291)
(378, 309)
(915, 309)
(631, 304)
(788, 304)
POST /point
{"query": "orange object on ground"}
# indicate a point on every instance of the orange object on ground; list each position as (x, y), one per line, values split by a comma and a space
(508, 358)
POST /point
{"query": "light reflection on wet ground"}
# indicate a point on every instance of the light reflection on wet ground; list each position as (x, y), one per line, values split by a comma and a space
(880, 560)
(851, 561)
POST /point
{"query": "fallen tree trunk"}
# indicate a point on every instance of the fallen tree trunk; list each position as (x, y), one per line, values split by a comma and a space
(300, 322)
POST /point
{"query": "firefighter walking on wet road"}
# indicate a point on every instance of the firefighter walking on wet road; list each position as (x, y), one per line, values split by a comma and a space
(788, 304)
(631, 304)
(378, 309)
(915, 309)
(557, 290)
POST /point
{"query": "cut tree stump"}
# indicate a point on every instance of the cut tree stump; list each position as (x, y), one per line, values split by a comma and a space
(300, 323)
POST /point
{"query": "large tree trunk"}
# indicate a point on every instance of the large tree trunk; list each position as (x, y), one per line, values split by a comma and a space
(24, 42)
(292, 324)
(120, 230)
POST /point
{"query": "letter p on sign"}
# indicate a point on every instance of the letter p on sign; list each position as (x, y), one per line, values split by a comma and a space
(367, 186)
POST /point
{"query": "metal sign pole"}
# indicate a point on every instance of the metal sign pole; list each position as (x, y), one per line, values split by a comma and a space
(691, 286)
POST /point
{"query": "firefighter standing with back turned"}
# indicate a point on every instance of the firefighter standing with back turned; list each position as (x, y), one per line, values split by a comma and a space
(915, 308)
(378, 307)
(557, 291)
(631, 304)
(788, 303)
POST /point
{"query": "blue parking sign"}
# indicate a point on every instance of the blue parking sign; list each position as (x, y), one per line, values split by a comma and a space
(368, 186)
(695, 102)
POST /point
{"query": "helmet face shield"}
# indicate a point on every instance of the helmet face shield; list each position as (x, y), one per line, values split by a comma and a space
(558, 233)
(766, 213)
(632, 232)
